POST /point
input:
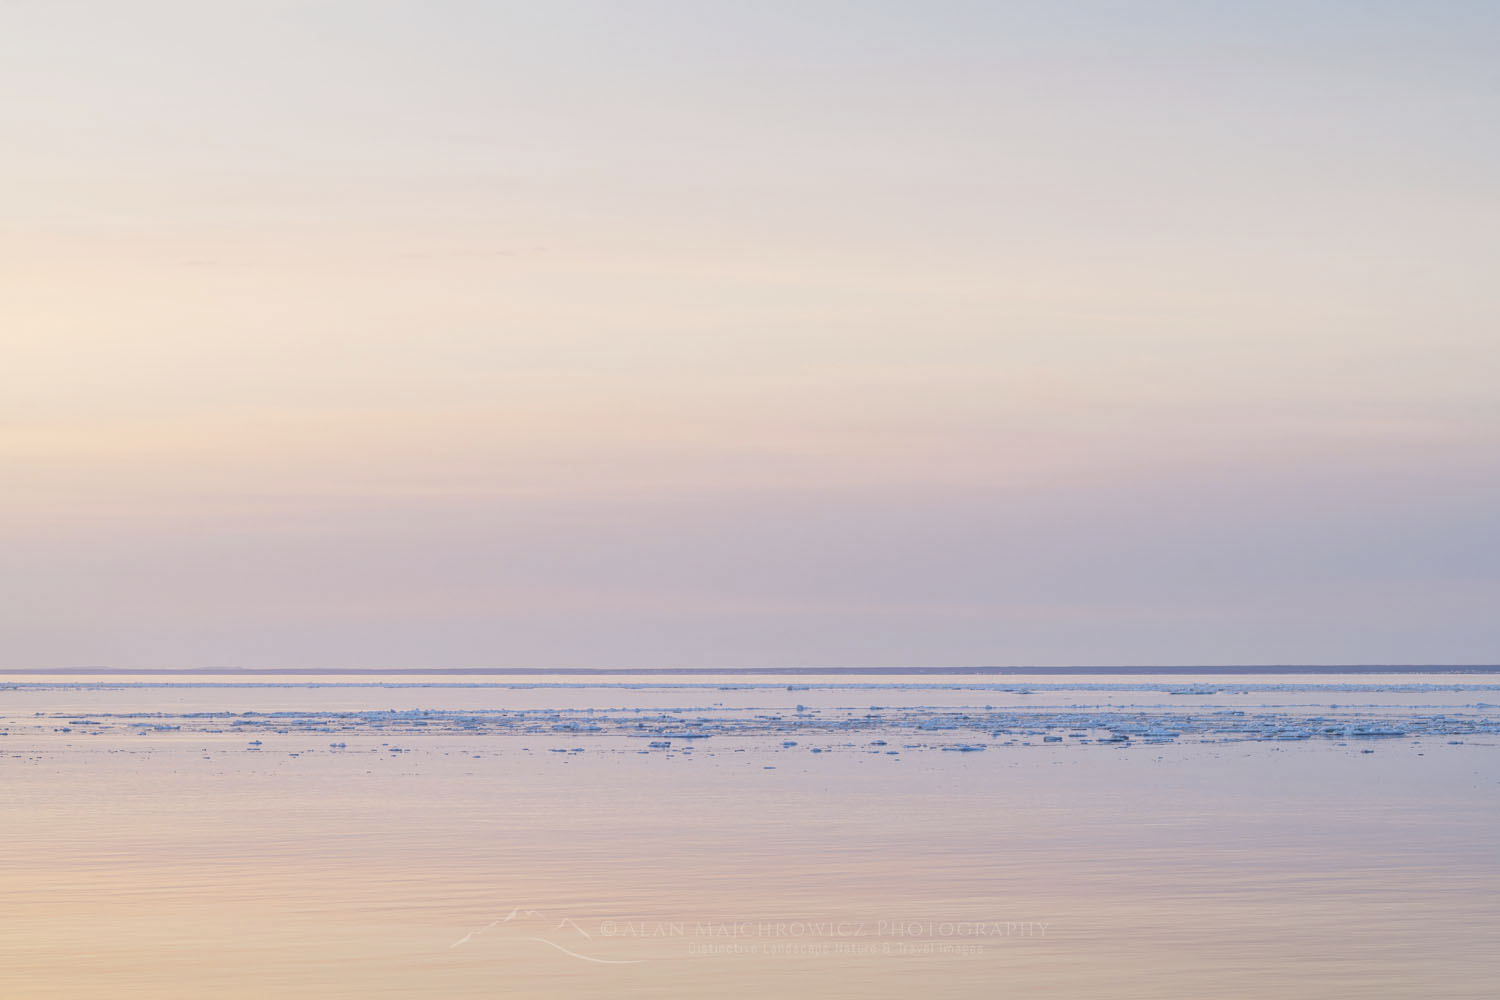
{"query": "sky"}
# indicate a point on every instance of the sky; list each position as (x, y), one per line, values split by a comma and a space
(670, 334)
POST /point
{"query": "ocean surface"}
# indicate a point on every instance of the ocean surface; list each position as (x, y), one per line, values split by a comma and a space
(1120, 834)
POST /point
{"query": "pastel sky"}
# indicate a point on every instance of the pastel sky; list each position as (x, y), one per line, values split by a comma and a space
(419, 334)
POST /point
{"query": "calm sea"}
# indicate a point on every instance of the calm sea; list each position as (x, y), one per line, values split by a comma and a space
(1111, 835)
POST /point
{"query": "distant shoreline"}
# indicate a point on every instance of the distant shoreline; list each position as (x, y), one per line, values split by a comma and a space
(767, 671)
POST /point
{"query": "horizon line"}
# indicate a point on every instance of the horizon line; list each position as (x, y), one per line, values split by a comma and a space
(1278, 668)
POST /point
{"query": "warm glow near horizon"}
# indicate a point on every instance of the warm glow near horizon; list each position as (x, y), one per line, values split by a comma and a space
(669, 334)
